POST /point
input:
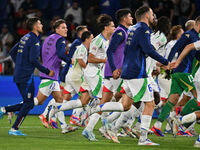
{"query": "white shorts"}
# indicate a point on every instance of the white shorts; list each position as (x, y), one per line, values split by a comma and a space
(153, 84)
(93, 84)
(139, 89)
(164, 85)
(47, 86)
(113, 85)
(72, 87)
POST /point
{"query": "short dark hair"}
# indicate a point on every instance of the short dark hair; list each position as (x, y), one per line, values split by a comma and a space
(57, 23)
(163, 25)
(80, 28)
(121, 13)
(85, 35)
(175, 30)
(30, 22)
(141, 11)
(103, 20)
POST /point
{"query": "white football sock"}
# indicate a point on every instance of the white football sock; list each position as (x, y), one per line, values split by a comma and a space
(124, 117)
(191, 127)
(158, 124)
(77, 112)
(105, 115)
(140, 109)
(135, 113)
(188, 118)
(51, 102)
(35, 101)
(71, 105)
(167, 127)
(61, 119)
(172, 114)
(94, 118)
(145, 123)
(137, 126)
(113, 116)
(110, 106)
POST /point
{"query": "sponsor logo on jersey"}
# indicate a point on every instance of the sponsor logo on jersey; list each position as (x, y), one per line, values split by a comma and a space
(187, 35)
(147, 32)
(37, 44)
(120, 33)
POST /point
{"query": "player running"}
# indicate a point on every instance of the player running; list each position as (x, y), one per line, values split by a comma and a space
(25, 55)
(181, 78)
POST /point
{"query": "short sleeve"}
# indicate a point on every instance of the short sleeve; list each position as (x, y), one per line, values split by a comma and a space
(80, 53)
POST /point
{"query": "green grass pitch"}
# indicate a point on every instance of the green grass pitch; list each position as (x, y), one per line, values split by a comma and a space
(40, 138)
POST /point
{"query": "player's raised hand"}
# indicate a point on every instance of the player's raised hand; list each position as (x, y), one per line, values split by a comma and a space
(51, 73)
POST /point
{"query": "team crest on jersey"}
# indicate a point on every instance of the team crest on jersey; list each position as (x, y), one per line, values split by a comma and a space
(120, 33)
(147, 32)
(29, 95)
(63, 42)
(37, 44)
(187, 35)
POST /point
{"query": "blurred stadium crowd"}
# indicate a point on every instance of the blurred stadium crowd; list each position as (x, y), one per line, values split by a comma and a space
(13, 14)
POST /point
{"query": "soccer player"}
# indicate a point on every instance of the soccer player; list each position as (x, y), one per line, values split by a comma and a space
(77, 42)
(25, 55)
(74, 78)
(53, 52)
(79, 30)
(93, 71)
(136, 83)
(194, 113)
(182, 78)
(115, 55)
(160, 27)
(175, 34)
(75, 117)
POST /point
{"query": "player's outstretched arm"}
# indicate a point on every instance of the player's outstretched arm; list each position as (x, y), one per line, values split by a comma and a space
(184, 53)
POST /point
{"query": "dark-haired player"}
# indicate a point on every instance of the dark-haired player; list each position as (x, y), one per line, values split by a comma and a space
(25, 55)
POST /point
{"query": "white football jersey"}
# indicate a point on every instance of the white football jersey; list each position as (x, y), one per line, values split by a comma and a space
(76, 71)
(98, 48)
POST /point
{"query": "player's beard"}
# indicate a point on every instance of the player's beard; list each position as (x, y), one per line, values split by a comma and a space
(153, 24)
